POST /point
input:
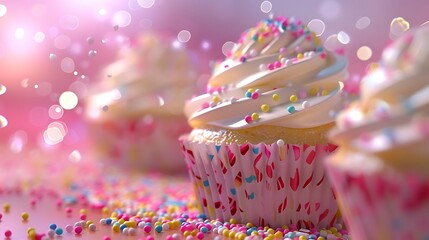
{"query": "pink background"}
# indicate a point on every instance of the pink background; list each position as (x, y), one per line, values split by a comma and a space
(211, 24)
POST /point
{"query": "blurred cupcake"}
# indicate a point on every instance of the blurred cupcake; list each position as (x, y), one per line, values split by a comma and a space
(136, 112)
(256, 150)
(380, 172)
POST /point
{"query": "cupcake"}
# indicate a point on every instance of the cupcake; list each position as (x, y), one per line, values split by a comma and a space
(258, 143)
(135, 113)
(380, 171)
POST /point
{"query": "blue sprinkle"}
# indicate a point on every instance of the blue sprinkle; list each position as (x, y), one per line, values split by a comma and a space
(252, 196)
(211, 156)
(123, 226)
(291, 109)
(290, 235)
(204, 230)
(53, 226)
(58, 231)
(202, 216)
(108, 221)
(248, 94)
(233, 191)
(217, 148)
(158, 228)
(319, 49)
(206, 183)
(255, 150)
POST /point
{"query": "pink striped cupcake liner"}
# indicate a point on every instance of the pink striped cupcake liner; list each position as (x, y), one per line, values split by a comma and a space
(384, 204)
(264, 184)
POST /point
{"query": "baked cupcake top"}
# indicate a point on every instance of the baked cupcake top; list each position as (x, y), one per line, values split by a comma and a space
(153, 77)
(390, 121)
(278, 74)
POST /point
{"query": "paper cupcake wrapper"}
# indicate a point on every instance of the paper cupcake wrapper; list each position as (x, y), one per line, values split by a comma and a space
(382, 205)
(139, 147)
(264, 184)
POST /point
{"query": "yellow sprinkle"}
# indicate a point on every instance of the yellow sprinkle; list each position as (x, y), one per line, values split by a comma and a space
(231, 234)
(293, 98)
(116, 228)
(6, 207)
(275, 97)
(157, 223)
(194, 232)
(31, 229)
(302, 238)
(265, 108)
(269, 237)
(130, 224)
(216, 99)
(278, 234)
(232, 221)
(373, 66)
(285, 227)
(313, 91)
(251, 90)
(32, 234)
(280, 57)
(186, 233)
(255, 233)
(240, 236)
(324, 92)
(249, 225)
(114, 214)
(105, 210)
(255, 116)
(320, 238)
(24, 216)
(89, 222)
(300, 56)
(260, 38)
(82, 211)
(120, 221)
(226, 232)
(316, 39)
(270, 231)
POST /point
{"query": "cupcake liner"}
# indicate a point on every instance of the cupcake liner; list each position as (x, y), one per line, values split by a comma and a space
(139, 146)
(384, 204)
(264, 184)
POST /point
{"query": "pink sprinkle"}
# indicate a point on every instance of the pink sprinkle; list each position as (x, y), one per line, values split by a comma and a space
(59, 203)
(82, 217)
(78, 229)
(300, 32)
(255, 95)
(339, 51)
(205, 105)
(277, 64)
(69, 210)
(282, 50)
(200, 235)
(270, 66)
(323, 55)
(150, 238)
(107, 238)
(308, 38)
(298, 22)
(69, 228)
(248, 118)
(1, 216)
(226, 66)
(294, 34)
(33, 202)
(8, 233)
(169, 237)
(147, 229)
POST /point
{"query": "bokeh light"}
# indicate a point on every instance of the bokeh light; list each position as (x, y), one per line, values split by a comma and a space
(330, 9)
(266, 6)
(227, 47)
(3, 10)
(3, 121)
(68, 100)
(317, 26)
(18, 141)
(55, 133)
(67, 65)
(2, 89)
(343, 37)
(75, 156)
(363, 23)
(69, 22)
(55, 111)
(184, 36)
(62, 42)
(332, 43)
(121, 18)
(39, 37)
(364, 53)
(146, 3)
(19, 33)
(398, 26)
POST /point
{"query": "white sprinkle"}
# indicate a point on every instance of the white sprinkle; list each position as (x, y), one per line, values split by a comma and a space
(92, 227)
(233, 99)
(305, 104)
(132, 231)
(213, 104)
(262, 67)
(103, 221)
(280, 142)
(51, 233)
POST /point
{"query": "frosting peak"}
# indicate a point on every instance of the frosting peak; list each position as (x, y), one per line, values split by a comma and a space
(277, 74)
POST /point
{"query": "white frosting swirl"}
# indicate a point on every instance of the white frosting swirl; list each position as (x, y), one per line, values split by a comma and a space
(151, 78)
(277, 74)
(393, 112)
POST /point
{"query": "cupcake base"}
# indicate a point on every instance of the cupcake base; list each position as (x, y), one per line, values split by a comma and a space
(382, 204)
(264, 184)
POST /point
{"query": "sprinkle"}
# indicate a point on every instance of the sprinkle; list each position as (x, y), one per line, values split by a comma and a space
(6, 207)
(24, 216)
(255, 95)
(158, 228)
(324, 92)
(323, 55)
(78, 229)
(275, 97)
(233, 99)
(8, 233)
(265, 108)
(277, 64)
(51, 233)
(255, 116)
(53, 226)
(262, 67)
(248, 118)
(305, 104)
(69, 228)
(59, 231)
(293, 98)
(291, 109)
(248, 94)
(270, 66)
(300, 56)
(313, 91)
